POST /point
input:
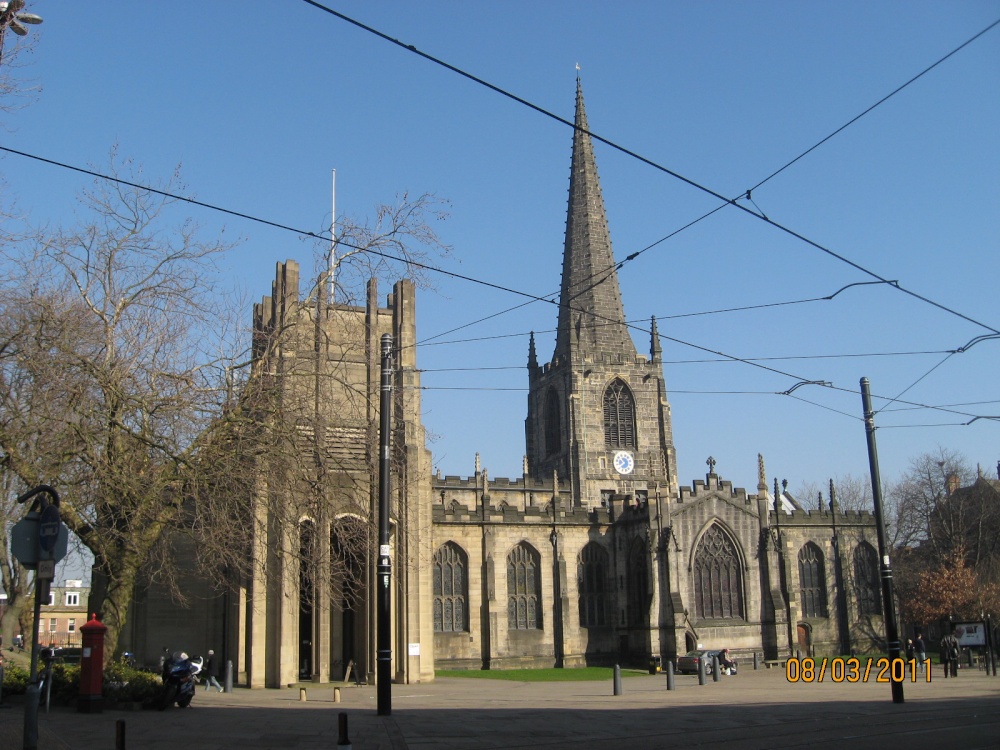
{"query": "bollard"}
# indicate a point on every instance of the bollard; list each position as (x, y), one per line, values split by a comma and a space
(716, 670)
(120, 734)
(227, 685)
(302, 695)
(618, 680)
(670, 674)
(336, 695)
(756, 661)
(342, 740)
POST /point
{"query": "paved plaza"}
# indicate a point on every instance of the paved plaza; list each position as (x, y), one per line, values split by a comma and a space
(752, 710)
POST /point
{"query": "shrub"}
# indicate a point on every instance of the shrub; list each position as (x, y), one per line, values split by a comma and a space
(15, 679)
(121, 683)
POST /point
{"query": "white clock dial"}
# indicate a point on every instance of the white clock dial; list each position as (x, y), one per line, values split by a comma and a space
(624, 463)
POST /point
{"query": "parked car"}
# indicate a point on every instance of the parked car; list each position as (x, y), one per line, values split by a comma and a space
(692, 661)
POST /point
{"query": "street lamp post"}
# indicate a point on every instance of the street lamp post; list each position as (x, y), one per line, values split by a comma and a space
(12, 17)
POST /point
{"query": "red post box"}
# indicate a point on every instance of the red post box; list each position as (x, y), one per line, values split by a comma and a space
(91, 698)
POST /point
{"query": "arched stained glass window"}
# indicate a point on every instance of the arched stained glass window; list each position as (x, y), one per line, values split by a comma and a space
(637, 584)
(592, 582)
(866, 579)
(718, 578)
(812, 578)
(449, 585)
(553, 431)
(619, 415)
(523, 586)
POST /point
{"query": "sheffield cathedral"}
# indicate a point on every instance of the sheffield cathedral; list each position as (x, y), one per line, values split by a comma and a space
(595, 555)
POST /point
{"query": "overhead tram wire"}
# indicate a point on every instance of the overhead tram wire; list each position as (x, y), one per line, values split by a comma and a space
(379, 253)
(884, 99)
(452, 274)
(659, 167)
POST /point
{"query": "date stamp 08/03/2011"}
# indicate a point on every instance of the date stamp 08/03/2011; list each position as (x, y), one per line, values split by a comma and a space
(855, 670)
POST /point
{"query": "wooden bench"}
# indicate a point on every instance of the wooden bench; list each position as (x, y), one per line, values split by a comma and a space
(768, 663)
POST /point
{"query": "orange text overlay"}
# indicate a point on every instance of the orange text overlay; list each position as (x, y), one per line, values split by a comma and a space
(855, 670)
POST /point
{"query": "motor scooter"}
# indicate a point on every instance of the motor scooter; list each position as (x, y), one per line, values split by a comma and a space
(179, 680)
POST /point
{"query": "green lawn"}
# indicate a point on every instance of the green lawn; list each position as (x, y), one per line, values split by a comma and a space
(578, 674)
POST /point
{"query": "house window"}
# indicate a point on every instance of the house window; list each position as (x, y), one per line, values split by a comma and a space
(523, 586)
(812, 579)
(71, 627)
(450, 594)
(52, 599)
(718, 580)
(866, 579)
(73, 599)
(619, 415)
(52, 624)
(592, 581)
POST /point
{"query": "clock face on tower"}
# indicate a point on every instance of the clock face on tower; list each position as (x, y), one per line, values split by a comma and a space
(624, 463)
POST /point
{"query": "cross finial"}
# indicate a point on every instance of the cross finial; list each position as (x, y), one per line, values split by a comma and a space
(711, 465)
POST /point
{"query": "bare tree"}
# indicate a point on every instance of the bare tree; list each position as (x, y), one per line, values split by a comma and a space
(117, 375)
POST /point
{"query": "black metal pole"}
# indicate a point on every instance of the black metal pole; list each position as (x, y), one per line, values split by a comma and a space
(888, 608)
(383, 675)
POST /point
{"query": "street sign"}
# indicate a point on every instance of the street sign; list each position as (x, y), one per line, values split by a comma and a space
(48, 529)
(24, 541)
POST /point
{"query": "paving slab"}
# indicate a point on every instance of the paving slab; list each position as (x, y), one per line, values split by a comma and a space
(755, 709)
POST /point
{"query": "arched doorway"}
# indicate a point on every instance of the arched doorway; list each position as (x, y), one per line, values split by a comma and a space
(690, 642)
(349, 553)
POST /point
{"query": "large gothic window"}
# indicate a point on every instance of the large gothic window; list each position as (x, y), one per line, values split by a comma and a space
(523, 589)
(718, 579)
(619, 415)
(450, 589)
(553, 431)
(637, 588)
(866, 579)
(812, 578)
(592, 582)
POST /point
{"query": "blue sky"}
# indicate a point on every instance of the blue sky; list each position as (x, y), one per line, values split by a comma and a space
(258, 102)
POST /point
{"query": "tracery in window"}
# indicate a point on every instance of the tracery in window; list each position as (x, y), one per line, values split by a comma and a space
(619, 415)
(866, 579)
(592, 582)
(718, 579)
(450, 589)
(637, 584)
(812, 580)
(523, 587)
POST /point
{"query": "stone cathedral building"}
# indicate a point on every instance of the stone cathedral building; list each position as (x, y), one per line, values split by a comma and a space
(596, 554)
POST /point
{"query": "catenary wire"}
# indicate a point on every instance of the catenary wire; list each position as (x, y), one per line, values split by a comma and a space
(306, 233)
(655, 165)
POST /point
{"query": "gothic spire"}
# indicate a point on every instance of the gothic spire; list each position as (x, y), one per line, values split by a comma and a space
(654, 343)
(591, 317)
(532, 357)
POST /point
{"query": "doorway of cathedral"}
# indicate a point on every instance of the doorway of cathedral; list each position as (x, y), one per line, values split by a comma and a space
(307, 592)
(690, 642)
(349, 600)
(805, 639)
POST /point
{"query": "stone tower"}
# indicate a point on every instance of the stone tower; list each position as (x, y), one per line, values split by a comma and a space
(598, 414)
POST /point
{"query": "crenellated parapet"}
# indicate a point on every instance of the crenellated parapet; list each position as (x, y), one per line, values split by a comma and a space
(712, 486)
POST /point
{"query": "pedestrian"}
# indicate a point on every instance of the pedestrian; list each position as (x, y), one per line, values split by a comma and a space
(950, 651)
(211, 670)
(920, 650)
